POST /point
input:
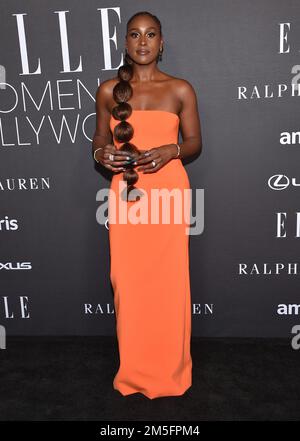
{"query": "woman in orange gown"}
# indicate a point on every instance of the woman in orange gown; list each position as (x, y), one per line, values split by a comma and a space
(150, 259)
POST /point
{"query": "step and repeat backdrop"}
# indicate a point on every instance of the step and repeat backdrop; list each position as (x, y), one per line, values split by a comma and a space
(243, 60)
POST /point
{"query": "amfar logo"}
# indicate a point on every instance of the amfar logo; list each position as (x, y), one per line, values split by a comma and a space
(7, 224)
(18, 184)
(288, 309)
(16, 266)
(281, 182)
(289, 138)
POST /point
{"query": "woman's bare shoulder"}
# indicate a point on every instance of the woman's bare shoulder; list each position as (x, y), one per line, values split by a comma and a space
(183, 88)
(106, 86)
(182, 83)
(105, 92)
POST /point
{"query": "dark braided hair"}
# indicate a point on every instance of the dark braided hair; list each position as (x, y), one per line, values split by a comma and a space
(123, 131)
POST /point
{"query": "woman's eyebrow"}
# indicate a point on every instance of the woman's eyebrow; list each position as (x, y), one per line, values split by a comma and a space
(136, 29)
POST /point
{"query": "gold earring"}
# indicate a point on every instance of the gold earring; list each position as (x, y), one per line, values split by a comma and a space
(160, 54)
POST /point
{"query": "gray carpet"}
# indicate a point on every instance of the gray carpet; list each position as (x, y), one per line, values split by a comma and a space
(70, 378)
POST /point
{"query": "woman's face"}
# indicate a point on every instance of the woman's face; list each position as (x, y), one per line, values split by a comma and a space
(143, 40)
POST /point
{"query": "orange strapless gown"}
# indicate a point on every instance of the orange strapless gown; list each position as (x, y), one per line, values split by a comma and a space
(150, 274)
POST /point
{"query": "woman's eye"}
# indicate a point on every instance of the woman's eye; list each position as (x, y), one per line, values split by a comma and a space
(135, 33)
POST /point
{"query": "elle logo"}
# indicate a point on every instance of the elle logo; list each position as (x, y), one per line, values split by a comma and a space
(64, 42)
(18, 309)
(281, 218)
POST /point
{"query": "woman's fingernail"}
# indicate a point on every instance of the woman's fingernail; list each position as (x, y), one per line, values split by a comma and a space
(128, 158)
(135, 163)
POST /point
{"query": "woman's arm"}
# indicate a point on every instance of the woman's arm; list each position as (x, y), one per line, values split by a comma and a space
(102, 135)
(103, 139)
(189, 121)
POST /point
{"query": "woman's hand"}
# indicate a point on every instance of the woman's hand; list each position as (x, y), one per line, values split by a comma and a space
(120, 159)
(161, 155)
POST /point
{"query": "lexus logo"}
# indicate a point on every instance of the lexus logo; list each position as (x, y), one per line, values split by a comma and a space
(281, 182)
(16, 266)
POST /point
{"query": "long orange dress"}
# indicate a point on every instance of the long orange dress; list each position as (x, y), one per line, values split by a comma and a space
(150, 272)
